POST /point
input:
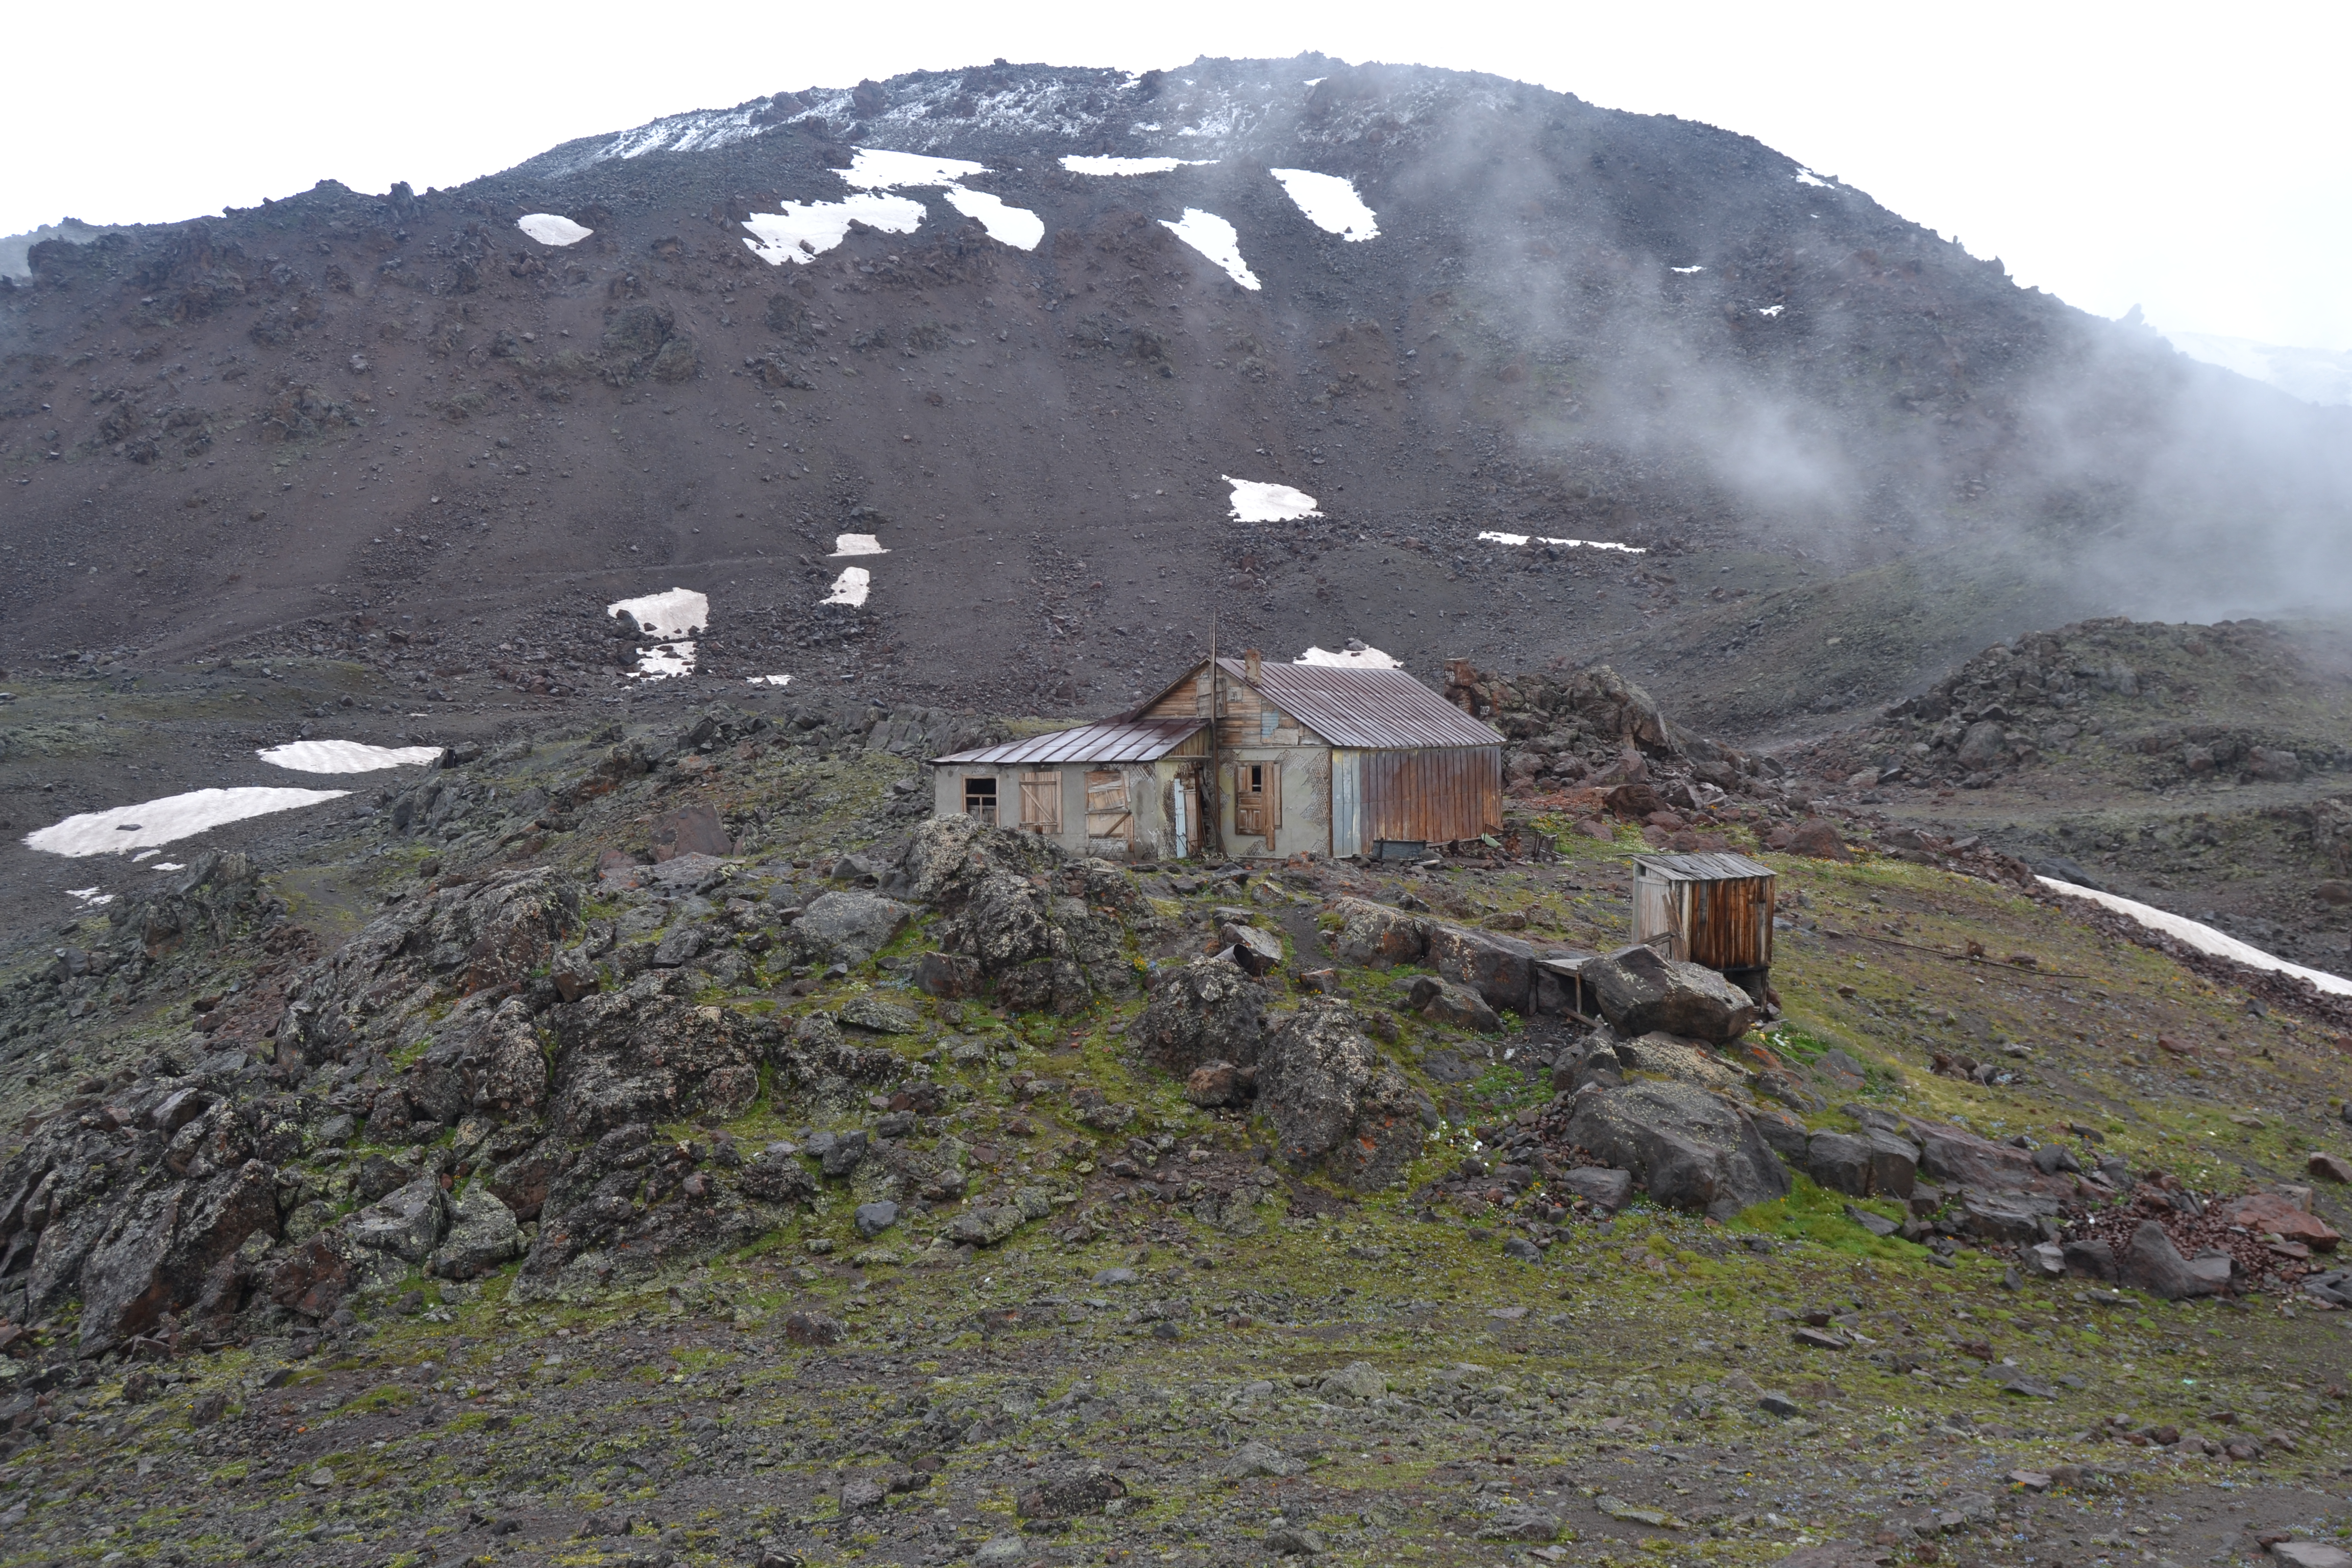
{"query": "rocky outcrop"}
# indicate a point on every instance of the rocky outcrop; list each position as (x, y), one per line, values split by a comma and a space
(649, 1053)
(482, 1236)
(1501, 969)
(1685, 1146)
(1024, 913)
(156, 1255)
(847, 927)
(1335, 1101)
(1639, 989)
(1207, 1011)
(1374, 936)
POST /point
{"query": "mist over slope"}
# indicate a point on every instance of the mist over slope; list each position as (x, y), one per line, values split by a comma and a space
(1571, 324)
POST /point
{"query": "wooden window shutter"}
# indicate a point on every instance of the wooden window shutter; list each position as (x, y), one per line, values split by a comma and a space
(1273, 797)
(1041, 803)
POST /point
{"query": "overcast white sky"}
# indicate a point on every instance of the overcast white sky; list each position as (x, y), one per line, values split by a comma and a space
(2192, 160)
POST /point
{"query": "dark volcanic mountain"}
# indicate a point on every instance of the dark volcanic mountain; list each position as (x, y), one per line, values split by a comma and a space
(1819, 419)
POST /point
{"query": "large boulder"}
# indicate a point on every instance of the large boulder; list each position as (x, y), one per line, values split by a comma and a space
(482, 1234)
(1688, 1147)
(162, 1246)
(649, 1054)
(1207, 1011)
(1501, 969)
(849, 926)
(405, 1223)
(2281, 1217)
(1024, 913)
(2153, 1264)
(1873, 1162)
(1639, 989)
(1334, 1100)
(1374, 936)
(1960, 1158)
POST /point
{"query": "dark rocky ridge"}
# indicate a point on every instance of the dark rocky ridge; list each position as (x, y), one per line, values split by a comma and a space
(342, 400)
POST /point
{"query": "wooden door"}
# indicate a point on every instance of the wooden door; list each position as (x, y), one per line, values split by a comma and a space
(1257, 800)
(1041, 804)
(1110, 825)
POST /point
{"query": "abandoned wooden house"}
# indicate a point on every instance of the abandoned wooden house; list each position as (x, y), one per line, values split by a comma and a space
(1332, 761)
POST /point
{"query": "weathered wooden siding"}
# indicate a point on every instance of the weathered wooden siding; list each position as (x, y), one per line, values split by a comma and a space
(1432, 796)
(1723, 924)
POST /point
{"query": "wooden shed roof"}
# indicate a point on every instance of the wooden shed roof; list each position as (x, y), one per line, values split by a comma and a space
(1720, 867)
(1113, 741)
(1380, 710)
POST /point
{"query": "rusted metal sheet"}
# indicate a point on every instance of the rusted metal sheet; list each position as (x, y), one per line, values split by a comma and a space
(1373, 708)
(1715, 909)
(1431, 795)
(1117, 740)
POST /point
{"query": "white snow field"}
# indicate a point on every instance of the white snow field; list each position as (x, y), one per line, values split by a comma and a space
(1083, 165)
(552, 228)
(768, 679)
(1355, 656)
(1330, 202)
(805, 230)
(2200, 936)
(1256, 502)
(675, 614)
(1016, 227)
(346, 756)
(1490, 537)
(858, 545)
(880, 169)
(851, 587)
(1213, 237)
(168, 820)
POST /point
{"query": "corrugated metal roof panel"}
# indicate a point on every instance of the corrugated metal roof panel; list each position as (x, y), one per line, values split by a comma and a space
(1706, 868)
(1116, 740)
(1380, 709)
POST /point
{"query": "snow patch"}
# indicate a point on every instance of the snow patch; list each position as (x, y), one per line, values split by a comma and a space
(1355, 656)
(1080, 165)
(851, 587)
(858, 545)
(1490, 537)
(91, 896)
(1330, 201)
(768, 679)
(2202, 937)
(1686, 271)
(666, 661)
(1213, 237)
(1016, 227)
(805, 230)
(346, 756)
(552, 228)
(1771, 310)
(168, 820)
(1256, 502)
(673, 613)
(165, 865)
(1807, 177)
(881, 168)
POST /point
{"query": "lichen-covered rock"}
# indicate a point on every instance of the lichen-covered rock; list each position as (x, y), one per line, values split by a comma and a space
(849, 926)
(1335, 1101)
(1687, 1148)
(1374, 936)
(1501, 969)
(160, 1247)
(482, 1236)
(404, 1223)
(1207, 1011)
(648, 1053)
(1639, 989)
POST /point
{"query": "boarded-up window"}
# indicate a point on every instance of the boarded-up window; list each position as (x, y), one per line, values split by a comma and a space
(1041, 804)
(980, 799)
(1257, 799)
(1108, 817)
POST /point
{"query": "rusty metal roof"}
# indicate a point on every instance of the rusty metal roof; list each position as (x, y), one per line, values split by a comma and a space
(1380, 709)
(1715, 867)
(1113, 741)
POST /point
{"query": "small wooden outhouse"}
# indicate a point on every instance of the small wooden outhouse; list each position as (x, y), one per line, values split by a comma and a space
(1711, 909)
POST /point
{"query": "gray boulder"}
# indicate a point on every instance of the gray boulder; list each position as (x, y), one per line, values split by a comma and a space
(679, 948)
(1454, 1006)
(1499, 968)
(1603, 1188)
(1208, 1011)
(404, 1223)
(1374, 936)
(878, 1016)
(2152, 1263)
(1640, 990)
(1258, 951)
(984, 1226)
(649, 1054)
(1686, 1147)
(2089, 1259)
(482, 1236)
(874, 1218)
(850, 926)
(1334, 1100)
(1873, 1164)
